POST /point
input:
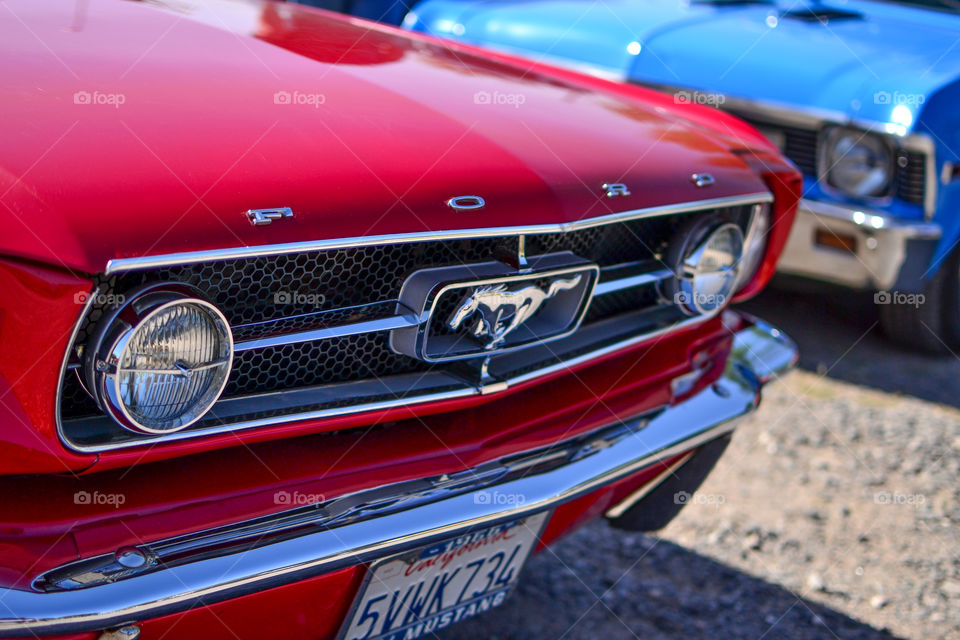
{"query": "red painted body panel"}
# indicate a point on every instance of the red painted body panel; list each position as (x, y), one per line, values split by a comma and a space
(38, 309)
(308, 610)
(403, 126)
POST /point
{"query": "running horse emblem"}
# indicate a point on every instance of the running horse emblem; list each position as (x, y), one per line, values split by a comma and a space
(502, 311)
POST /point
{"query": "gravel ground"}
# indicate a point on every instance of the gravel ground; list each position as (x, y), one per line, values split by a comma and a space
(835, 513)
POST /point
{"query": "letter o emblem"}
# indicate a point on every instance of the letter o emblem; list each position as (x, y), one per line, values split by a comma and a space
(466, 203)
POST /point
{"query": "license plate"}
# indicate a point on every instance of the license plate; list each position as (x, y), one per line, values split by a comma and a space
(419, 593)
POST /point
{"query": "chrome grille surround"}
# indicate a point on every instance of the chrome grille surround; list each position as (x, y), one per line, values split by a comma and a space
(331, 357)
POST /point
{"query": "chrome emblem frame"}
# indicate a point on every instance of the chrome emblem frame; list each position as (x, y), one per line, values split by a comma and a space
(502, 311)
(489, 308)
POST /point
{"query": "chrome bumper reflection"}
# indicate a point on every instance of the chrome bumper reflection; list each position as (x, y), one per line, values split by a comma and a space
(438, 509)
(880, 253)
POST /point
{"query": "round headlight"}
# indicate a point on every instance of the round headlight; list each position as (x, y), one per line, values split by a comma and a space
(857, 163)
(708, 267)
(161, 362)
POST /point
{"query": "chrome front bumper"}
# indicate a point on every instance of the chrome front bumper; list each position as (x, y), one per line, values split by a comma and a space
(356, 529)
(881, 252)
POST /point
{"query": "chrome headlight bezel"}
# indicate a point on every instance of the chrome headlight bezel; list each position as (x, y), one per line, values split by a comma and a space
(828, 165)
(107, 351)
(699, 288)
(755, 244)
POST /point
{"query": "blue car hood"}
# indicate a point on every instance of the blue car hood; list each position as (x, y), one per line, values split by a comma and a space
(847, 65)
(754, 51)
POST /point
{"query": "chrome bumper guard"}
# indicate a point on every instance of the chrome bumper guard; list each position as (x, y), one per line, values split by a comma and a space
(372, 524)
(881, 252)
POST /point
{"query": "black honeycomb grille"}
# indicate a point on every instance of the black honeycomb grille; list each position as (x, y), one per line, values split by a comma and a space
(358, 357)
(613, 244)
(624, 301)
(259, 289)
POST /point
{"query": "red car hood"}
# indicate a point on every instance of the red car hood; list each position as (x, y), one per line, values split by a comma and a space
(131, 129)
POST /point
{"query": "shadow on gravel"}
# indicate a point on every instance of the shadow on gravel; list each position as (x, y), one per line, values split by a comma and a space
(839, 336)
(603, 585)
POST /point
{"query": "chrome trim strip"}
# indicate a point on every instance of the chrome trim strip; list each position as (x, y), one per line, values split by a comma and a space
(380, 405)
(612, 286)
(119, 265)
(368, 326)
(66, 363)
(871, 220)
(933, 185)
(679, 428)
(947, 174)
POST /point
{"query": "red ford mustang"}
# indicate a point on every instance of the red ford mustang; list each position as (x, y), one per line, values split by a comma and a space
(311, 328)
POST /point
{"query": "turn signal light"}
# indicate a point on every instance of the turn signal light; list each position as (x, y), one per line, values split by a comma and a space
(831, 240)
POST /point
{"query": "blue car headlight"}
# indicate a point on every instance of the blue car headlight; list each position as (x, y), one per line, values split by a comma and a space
(857, 163)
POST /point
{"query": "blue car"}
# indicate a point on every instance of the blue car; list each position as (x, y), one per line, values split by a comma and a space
(864, 96)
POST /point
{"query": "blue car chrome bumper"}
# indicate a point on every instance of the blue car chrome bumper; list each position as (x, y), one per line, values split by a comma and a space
(888, 253)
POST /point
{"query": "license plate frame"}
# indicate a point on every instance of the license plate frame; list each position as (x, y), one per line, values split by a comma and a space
(515, 541)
